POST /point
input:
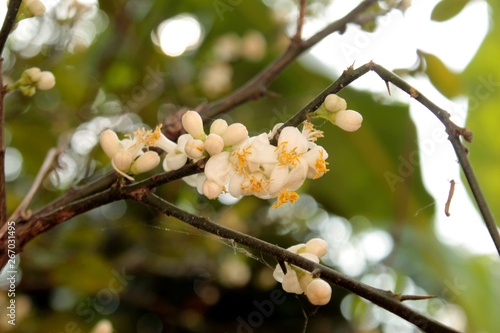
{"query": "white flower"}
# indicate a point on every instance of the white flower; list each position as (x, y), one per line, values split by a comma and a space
(318, 292)
(217, 168)
(193, 124)
(316, 162)
(348, 120)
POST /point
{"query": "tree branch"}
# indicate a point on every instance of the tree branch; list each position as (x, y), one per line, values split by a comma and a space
(376, 296)
(454, 131)
(44, 220)
(257, 87)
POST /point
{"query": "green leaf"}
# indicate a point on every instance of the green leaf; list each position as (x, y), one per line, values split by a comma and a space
(447, 9)
(447, 82)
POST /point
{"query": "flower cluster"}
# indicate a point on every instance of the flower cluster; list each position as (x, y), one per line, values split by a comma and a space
(32, 79)
(299, 281)
(235, 162)
(334, 110)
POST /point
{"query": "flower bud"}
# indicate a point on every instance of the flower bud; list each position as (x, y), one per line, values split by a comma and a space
(235, 134)
(291, 283)
(46, 81)
(36, 7)
(214, 144)
(319, 292)
(146, 162)
(194, 148)
(110, 143)
(211, 189)
(193, 124)
(334, 103)
(348, 120)
(317, 246)
(122, 161)
(218, 127)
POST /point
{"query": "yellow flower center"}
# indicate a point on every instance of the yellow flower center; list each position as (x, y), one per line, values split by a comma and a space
(286, 196)
(148, 138)
(291, 157)
(241, 159)
(256, 185)
(320, 166)
(310, 132)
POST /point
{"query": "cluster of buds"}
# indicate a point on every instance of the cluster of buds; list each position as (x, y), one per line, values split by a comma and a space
(334, 109)
(299, 281)
(32, 79)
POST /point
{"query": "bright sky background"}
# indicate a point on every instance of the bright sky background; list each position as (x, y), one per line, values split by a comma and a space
(393, 45)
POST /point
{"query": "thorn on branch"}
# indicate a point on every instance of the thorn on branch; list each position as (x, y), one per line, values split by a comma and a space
(450, 196)
(402, 298)
(388, 87)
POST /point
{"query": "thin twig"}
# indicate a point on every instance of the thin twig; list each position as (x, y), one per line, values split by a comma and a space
(297, 38)
(8, 23)
(450, 196)
(376, 296)
(44, 169)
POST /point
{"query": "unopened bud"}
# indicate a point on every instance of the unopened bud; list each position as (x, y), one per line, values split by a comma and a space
(122, 160)
(110, 143)
(194, 148)
(146, 162)
(214, 144)
(193, 124)
(218, 127)
(46, 81)
(235, 134)
(211, 189)
(319, 292)
(317, 246)
(348, 120)
(334, 103)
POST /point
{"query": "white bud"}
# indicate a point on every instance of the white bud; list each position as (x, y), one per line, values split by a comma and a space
(211, 189)
(110, 143)
(334, 103)
(348, 120)
(194, 148)
(36, 7)
(103, 326)
(46, 81)
(319, 292)
(219, 126)
(235, 134)
(122, 160)
(214, 144)
(317, 246)
(32, 73)
(146, 162)
(193, 124)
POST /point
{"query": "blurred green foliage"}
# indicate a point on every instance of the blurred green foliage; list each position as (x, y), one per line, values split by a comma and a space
(149, 273)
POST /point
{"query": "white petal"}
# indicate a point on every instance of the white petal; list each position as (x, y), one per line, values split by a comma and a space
(217, 168)
(193, 124)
